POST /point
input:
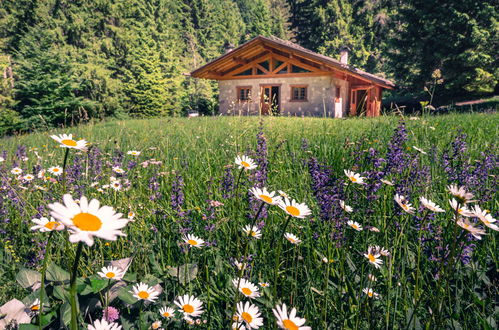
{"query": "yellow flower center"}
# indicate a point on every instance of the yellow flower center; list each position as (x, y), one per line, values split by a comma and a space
(371, 258)
(110, 275)
(130, 214)
(35, 307)
(246, 291)
(55, 170)
(289, 325)
(69, 143)
(87, 222)
(405, 207)
(292, 240)
(188, 308)
(51, 225)
(293, 210)
(247, 317)
(354, 226)
(143, 294)
(192, 242)
(370, 294)
(245, 164)
(266, 199)
(166, 314)
(486, 222)
(354, 179)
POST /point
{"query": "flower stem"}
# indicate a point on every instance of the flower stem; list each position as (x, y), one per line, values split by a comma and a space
(278, 254)
(72, 289)
(64, 163)
(44, 270)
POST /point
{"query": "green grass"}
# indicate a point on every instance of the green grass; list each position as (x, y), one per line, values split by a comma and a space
(200, 149)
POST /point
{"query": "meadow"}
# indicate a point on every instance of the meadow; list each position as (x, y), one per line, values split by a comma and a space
(370, 254)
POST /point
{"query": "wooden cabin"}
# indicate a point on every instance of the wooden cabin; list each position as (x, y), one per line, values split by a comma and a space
(268, 75)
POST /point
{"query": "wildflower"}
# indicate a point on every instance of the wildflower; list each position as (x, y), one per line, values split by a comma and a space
(118, 170)
(485, 217)
(475, 231)
(238, 326)
(131, 215)
(374, 229)
(193, 240)
(156, 325)
(402, 202)
(188, 320)
(190, 306)
(460, 209)
(45, 225)
(373, 256)
(460, 193)
(430, 205)
(67, 141)
(133, 153)
(144, 292)
(2, 159)
(250, 314)
(289, 321)
(103, 325)
(382, 251)
(294, 209)
(387, 182)
(35, 306)
(245, 162)
(292, 238)
(116, 185)
(240, 265)
(283, 194)
(265, 196)
(111, 273)
(420, 150)
(55, 170)
(166, 312)
(252, 231)
(216, 203)
(246, 288)
(355, 225)
(16, 171)
(88, 219)
(370, 293)
(111, 314)
(371, 278)
(28, 177)
(354, 177)
(345, 207)
(264, 284)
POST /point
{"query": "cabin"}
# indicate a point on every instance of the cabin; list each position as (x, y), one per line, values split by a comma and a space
(268, 75)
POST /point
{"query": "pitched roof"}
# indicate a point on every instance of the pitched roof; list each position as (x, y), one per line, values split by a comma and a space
(300, 51)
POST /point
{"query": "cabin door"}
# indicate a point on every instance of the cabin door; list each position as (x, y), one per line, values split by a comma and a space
(269, 100)
(358, 102)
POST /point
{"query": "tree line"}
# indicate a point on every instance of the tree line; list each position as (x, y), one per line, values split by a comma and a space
(70, 61)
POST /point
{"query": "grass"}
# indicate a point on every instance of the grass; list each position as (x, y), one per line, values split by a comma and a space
(326, 294)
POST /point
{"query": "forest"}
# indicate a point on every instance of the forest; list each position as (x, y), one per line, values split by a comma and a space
(66, 62)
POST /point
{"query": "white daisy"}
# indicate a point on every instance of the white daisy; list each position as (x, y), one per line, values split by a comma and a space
(130, 215)
(402, 202)
(67, 141)
(373, 255)
(245, 162)
(283, 194)
(103, 325)
(156, 325)
(240, 265)
(116, 185)
(355, 225)
(430, 205)
(88, 219)
(35, 306)
(370, 293)
(292, 238)
(45, 225)
(485, 217)
(289, 321)
(250, 314)
(246, 288)
(193, 241)
(166, 312)
(118, 170)
(16, 171)
(354, 177)
(28, 177)
(460, 209)
(55, 170)
(297, 210)
(142, 291)
(190, 306)
(264, 284)
(460, 193)
(381, 250)
(265, 196)
(475, 231)
(111, 273)
(252, 231)
(346, 207)
(133, 153)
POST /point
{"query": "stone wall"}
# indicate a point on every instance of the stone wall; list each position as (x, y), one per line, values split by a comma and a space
(320, 96)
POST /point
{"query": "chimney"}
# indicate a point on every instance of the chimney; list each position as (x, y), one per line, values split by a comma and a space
(344, 55)
(228, 47)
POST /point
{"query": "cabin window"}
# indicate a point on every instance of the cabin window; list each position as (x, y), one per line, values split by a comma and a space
(243, 93)
(299, 93)
(338, 94)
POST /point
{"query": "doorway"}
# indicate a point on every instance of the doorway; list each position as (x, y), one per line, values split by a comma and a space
(270, 99)
(358, 102)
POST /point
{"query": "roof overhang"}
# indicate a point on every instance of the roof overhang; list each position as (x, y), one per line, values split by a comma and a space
(261, 46)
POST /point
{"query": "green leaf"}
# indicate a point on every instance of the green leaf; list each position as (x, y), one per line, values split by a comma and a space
(61, 293)
(98, 284)
(66, 313)
(126, 296)
(185, 273)
(57, 274)
(26, 326)
(28, 278)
